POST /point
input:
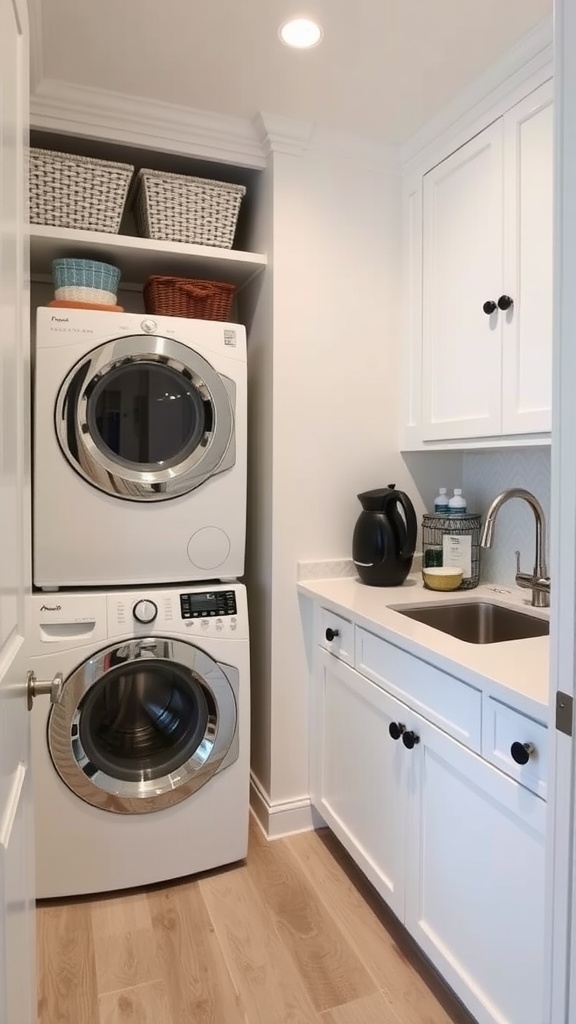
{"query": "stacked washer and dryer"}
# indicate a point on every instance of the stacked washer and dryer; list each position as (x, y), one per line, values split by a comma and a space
(141, 745)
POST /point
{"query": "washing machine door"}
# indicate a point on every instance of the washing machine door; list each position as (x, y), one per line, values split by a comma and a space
(146, 418)
(142, 725)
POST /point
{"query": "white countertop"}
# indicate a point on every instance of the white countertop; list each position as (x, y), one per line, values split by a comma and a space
(520, 666)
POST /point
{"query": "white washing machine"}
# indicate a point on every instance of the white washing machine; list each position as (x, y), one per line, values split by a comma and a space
(139, 449)
(141, 750)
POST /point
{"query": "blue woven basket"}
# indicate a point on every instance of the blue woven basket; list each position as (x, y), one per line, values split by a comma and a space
(85, 274)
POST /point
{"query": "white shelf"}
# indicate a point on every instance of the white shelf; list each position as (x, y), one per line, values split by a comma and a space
(138, 258)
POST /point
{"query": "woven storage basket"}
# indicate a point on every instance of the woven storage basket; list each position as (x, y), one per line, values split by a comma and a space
(85, 274)
(178, 208)
(69, 191)
(181, 296)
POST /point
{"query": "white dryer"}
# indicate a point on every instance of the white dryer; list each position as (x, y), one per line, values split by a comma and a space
(139, 449)
(141, 753)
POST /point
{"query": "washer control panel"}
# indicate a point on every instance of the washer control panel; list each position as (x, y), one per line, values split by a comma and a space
(207, 604)
(216, 612)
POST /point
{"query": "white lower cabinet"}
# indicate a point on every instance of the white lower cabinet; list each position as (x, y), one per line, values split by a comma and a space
(359, 772)
(453, 845)
(475, 879)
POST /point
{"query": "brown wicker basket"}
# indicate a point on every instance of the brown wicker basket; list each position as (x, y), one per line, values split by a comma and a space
(182, 296)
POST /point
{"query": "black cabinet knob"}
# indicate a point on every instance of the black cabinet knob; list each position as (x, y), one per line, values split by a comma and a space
(396, 729)
(410, 739)
(331, 634)
(489, 307)
(504, 302)
(521, 752)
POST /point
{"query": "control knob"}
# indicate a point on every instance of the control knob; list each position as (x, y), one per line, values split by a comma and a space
(145, 611)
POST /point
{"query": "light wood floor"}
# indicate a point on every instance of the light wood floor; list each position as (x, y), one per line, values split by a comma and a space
(292, 936)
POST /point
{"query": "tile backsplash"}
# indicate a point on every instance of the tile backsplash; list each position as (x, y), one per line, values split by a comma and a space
(486, 474)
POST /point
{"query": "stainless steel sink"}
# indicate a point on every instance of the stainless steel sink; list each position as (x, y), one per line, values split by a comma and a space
(478, 622)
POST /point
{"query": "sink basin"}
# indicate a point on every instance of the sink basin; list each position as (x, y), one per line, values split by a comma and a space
(478, 622)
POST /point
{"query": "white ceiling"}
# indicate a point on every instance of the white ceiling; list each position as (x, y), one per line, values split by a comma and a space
(384, 67)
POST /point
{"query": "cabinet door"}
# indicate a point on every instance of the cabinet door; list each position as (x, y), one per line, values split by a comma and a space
(462, 269)
(358, 773)
(527, 326)
(475, 879)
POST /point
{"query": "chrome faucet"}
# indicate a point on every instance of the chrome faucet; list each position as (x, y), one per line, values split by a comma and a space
(539, 581)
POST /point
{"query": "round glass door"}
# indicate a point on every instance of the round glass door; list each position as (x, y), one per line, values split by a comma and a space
(143, 721)
(146, 418)
(142, 725)
(144, 415)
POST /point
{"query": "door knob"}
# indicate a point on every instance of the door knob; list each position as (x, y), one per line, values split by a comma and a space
(489, 307)
(504, 302)
(396, 729)
(36, 689)
(331, 634)
(410, 739)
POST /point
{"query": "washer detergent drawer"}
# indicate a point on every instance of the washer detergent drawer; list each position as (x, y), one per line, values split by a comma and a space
(448, 702)
(337, 635)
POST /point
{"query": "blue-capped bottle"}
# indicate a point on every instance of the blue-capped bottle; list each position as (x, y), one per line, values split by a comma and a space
(457, 504)
(441, 503)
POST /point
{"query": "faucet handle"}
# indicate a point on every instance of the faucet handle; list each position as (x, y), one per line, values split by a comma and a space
(523, 579)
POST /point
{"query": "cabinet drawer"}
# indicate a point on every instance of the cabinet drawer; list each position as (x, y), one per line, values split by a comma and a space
(503, 726)
(452, 705)
(342, 630)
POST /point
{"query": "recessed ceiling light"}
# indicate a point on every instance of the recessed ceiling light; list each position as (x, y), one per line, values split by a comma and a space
(300, 32)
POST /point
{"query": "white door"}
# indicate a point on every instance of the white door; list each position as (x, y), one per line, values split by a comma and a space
(358, 778)
(462, 270)
(561, 933)
(474, 903)
(527, 325)
(17, 999)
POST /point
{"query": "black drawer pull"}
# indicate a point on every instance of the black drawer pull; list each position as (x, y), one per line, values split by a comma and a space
(521, 752)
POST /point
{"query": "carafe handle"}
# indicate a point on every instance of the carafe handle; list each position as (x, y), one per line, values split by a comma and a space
(406, 532)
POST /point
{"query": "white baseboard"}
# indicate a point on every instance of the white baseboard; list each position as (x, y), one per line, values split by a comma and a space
(281, 818)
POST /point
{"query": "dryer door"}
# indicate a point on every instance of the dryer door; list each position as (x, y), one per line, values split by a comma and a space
(143, 724)
(146, 418)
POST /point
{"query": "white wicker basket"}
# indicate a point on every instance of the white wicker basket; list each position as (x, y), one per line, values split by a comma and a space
(179, 208)
(68, 191)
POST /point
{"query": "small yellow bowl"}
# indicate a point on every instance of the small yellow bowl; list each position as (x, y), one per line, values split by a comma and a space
(442, 578)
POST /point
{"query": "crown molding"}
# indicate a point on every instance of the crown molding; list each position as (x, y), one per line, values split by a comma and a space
(525, 60)
(280, 134)
(287, 135)
(96, 113)
(115, 117)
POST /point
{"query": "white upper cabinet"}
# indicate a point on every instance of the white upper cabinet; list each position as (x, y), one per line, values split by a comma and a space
(528, 202)
(481, 334)
(462, 267)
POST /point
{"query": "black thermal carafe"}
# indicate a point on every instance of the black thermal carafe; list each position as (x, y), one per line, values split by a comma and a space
(384, 537)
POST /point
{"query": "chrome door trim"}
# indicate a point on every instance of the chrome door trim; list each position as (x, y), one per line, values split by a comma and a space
(215, 452)
(218, 748)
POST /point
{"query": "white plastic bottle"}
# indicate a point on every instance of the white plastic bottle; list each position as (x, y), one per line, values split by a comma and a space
(441, 503)
(457, 504)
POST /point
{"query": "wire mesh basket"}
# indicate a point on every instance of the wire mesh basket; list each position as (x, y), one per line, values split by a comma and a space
(453, 540)
(68, 191)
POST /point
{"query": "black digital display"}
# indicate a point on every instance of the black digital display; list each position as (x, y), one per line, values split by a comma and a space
(208, 603)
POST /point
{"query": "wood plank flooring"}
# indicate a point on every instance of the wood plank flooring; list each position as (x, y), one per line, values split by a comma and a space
(294, 935)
